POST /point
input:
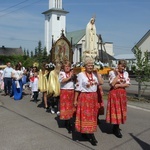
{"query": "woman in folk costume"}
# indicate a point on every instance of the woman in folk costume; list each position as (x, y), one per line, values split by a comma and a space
(86, 100)
(66, 78)
(17, 75)
(53, 89)
(117, 99)
(43, 83)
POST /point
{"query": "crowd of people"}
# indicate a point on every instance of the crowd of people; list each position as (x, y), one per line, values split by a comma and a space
(77, 96)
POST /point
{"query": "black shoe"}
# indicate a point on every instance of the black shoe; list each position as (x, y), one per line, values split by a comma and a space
(93, 142)
(47, 109)
(92, 139)
(69, 128)
(116, 131)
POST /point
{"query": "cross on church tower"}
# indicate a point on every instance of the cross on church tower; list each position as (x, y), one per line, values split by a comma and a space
(55, 21)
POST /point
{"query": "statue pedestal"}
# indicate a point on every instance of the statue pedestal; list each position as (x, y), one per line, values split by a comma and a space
(103, 71)
(93, 54)
(77, 70)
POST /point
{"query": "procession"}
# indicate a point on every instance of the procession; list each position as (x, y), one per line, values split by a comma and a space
(81, 90)
(76, 95)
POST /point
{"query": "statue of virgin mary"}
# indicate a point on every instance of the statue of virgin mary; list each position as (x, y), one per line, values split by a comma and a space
(91, 39)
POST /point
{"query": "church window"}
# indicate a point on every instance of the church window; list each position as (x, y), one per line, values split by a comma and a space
(58, 17)
(80, 53)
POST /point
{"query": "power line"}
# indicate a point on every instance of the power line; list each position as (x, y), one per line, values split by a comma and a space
(15, 39)
(13, 6)
(19, 8)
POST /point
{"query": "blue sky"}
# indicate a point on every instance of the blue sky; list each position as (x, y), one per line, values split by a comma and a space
(123, 22)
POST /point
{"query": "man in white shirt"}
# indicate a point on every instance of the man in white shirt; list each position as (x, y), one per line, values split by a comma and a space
(7, 79)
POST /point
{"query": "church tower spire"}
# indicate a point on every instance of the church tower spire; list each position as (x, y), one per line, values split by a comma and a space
(55, 4)
(55, 21)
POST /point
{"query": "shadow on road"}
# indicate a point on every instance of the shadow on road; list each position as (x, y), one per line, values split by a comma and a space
(105, 127)
(143, 144)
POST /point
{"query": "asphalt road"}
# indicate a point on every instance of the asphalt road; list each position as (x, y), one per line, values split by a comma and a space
(24, 125)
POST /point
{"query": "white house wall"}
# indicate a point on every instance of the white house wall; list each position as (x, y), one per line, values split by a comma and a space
(145, 46)
(109, 48)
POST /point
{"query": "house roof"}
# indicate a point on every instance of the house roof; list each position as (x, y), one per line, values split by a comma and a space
(75, 35)
(105, 57)
(141, 40)
(10, 51)
(55, 10)
(125, 56)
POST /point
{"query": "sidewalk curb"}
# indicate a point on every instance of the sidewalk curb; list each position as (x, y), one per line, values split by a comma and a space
(139, 108)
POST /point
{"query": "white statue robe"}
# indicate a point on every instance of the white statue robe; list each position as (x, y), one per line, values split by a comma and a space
(90, 37)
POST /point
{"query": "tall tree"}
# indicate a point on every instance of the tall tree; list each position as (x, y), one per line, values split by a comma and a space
(142, 68)
(28, 53)
(31, 54)
(39, 49)
(25, 52)
(35, 53)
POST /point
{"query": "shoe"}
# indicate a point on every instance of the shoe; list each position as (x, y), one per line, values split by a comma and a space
(116, 131)
(46, 109)
(93, 138)
(52, 111)
(58, 113)
(93, 142)
(11, 95)
(70, 129)
(35, 101)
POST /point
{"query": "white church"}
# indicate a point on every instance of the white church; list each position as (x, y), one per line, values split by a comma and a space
(55, 22)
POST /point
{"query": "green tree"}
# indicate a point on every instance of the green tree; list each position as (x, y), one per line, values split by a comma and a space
(28, 53)
(25, 52)
(31, 54)
(39, 49)
(35, 53)
(142, 68)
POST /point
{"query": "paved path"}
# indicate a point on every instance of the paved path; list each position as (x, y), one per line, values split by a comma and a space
(25, 125)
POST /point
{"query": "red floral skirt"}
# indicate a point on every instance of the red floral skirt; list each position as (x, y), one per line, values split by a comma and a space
(66, 104)
(116, 106)
(86, 114)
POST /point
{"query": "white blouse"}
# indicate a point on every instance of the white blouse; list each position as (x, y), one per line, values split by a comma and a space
(35, 85)
(84, 84)
(122, 79)
(66, 85)
(18, 74)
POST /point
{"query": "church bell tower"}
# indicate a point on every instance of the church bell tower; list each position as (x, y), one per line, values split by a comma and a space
(55, 22)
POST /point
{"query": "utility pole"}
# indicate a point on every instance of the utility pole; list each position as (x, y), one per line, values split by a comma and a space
(101, 49)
